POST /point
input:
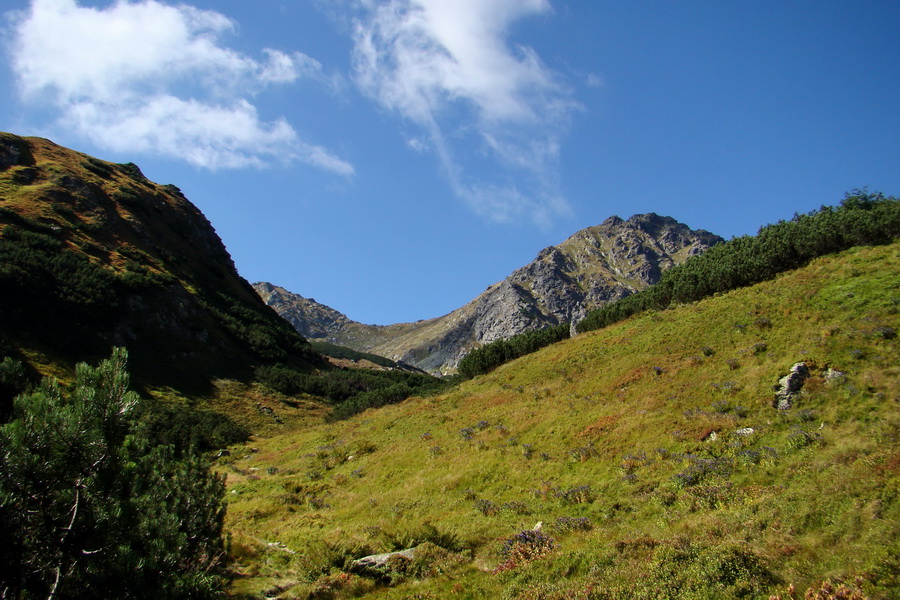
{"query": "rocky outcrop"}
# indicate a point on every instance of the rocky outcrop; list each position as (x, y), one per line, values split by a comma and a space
(596, 265)
(377, 565)
(789, 386)
(14, 151)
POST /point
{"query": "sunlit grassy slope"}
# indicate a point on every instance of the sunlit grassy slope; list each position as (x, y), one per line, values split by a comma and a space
(651, 452)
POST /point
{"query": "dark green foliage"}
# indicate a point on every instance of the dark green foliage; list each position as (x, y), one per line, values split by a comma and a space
(380, 388)
(133, 171)
(14, 380)
(128, 196)
(284, 379)
(862, 219)
(256, 327)
(335, 351)
(98, 167)
(60, 299)
(375, 398)
(189, 431)
(55, 291)
(90, 507)
(351, 390)
(490, 356)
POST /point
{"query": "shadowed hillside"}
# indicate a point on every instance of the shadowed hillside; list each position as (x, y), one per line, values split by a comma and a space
(93, 255)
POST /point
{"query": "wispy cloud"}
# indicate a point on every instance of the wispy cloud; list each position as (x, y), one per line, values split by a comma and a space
(150, 77)
(450, 68)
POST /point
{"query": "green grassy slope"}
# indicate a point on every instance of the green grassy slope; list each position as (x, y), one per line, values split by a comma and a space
(630, 445)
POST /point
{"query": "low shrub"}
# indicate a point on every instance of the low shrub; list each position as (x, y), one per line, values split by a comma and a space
(490, 356)
(523, 547)
(566, 524)
(701, 469)
(579, 494)
(683, 571)
(801, 438)
(486, 507)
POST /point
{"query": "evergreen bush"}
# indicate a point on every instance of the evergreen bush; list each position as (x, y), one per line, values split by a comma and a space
(91, 507)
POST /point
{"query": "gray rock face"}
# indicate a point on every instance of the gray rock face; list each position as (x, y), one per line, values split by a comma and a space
(831, 375)
(375, 564)
(595, 266)
(311, 319)
(789, 386)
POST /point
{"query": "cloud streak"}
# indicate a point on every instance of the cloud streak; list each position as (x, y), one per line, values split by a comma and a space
(449, 68)
(155, 78)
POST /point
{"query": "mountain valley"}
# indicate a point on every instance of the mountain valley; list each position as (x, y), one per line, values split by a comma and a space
(735, 435)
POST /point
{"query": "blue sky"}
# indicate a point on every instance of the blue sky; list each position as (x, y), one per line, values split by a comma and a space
(393, 158)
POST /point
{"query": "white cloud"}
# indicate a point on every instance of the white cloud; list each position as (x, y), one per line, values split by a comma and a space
(150, 77)
(449, 68)
(418, 144)
(283, 68)
(594, 81)
(207, 136)
(504, 203)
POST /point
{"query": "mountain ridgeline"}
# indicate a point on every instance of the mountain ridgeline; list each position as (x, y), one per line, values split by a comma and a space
(561, 285)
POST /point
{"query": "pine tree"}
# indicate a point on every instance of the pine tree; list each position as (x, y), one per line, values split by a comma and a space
(90, 507)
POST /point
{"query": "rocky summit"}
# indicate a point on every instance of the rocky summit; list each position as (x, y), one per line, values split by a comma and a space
(594, 266)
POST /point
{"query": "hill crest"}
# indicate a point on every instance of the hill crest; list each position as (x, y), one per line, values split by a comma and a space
(95, 255)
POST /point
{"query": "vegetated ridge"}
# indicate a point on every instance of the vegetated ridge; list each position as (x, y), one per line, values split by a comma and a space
(655, 458)
(93, 255)
(594, 266)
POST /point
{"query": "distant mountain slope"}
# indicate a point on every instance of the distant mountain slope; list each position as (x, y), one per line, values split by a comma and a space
(94, 255)
(310, 318)
(594, 266)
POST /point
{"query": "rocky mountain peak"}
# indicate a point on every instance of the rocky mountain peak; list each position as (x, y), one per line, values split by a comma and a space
(592, 267)
(310, 318)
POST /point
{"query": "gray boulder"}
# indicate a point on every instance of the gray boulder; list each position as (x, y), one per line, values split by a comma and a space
(790, 385)
(376, 565)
